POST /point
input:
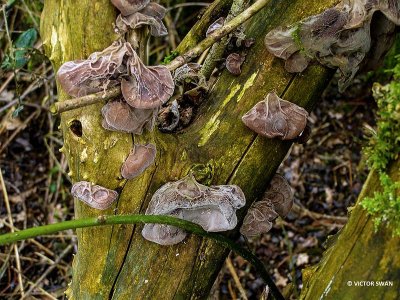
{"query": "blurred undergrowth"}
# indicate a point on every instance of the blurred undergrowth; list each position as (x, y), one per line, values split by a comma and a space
(20, 46)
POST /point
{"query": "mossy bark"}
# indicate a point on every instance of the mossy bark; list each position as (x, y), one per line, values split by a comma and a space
(116, 262)
(358, 253)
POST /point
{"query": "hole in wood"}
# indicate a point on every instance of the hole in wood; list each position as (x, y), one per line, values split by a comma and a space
(76, 128)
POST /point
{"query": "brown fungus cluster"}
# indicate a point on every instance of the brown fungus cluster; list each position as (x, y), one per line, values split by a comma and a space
(95, 196)
(192, 87)
(144, 89)
(276, 201)
(275, 117)
(340, 37)
(213, 208)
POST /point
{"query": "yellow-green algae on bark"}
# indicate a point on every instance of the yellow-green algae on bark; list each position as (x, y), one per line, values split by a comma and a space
(359, 254)
(116, 262)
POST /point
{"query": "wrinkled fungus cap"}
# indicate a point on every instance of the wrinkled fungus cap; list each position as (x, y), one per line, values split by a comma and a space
(139, 159)
(127, 7)
(82, 77)
(258, 219)
(275, 117)
(146, 87)
(277, 200)
(151, 16)
(234, 62)
(119, 116)
(280, 195)
(213, 208)
(95, 196)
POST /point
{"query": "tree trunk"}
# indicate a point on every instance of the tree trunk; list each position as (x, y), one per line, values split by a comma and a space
(116, 262)
(358, 253)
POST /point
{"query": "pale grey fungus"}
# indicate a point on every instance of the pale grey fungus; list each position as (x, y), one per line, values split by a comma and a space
(146, 87)
(95, 196)
(214, 26)
(340, 37)
(213, 208)
(101, 70)
(119, 116)
(140, 158)
(275, 117)
(128, 7)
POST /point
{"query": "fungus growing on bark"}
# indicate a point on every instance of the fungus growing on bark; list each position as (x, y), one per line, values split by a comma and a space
(216, 25)
(258, 219)
(277, 200)
(234, 62)
(151, 16)
(146, 87)
(213, 208)
(101, 70)
(128, 7)
(119, 116)
(139, 159)
(340, 37)
(275, 117)
(95, 196)
(280, 195)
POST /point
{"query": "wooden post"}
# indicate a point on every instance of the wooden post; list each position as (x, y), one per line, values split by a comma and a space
(116, 262)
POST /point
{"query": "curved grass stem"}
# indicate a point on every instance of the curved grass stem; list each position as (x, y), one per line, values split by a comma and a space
(104, 220)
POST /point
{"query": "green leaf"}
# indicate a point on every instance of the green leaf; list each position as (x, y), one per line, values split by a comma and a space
(22, 46)
(26, 39)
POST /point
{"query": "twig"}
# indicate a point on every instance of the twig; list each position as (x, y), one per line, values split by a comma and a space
(16, 132)
(47, 272)
(230, 26)
(7, 203)
(301, 210)
(218, 49)
(134, 219)
(235, 277)
(60, 107)
(189, 4)
(217, 35)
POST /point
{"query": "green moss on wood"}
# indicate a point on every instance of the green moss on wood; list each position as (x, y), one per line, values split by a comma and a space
(383, 148)
(116, 262)
(359, 253)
